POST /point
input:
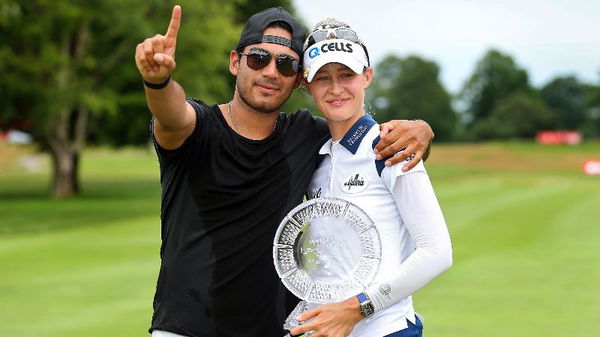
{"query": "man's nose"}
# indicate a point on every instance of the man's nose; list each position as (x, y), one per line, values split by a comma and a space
(271, 69)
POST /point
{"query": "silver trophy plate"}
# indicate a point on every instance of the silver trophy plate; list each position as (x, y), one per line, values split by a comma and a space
(326, 250)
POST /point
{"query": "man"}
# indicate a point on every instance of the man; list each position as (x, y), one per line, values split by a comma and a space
(229, 174)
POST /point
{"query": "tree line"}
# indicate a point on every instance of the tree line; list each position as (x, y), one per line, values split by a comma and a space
(69, 74)
(496, 102)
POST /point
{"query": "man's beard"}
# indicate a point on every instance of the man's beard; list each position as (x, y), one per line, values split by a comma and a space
(272, 104)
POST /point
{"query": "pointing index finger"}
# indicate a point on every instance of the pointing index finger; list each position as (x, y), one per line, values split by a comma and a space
(175, 21)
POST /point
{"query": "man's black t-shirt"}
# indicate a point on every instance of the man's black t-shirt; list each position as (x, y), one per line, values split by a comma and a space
(222, 198)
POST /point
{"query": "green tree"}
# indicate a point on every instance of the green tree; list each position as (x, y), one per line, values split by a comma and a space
(519, 116)
(591, 126)
(246, 8)
(496, 77)
(566, 97)
(67, 62)
(409, 88)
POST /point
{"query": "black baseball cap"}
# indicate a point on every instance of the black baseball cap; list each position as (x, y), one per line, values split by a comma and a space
(255, 26)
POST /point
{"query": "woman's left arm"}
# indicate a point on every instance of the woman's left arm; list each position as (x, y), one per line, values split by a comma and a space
(423, 218)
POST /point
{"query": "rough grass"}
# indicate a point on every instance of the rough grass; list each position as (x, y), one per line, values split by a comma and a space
(523, 219)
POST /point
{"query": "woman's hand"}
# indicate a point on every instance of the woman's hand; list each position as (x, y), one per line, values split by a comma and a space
(330, 320)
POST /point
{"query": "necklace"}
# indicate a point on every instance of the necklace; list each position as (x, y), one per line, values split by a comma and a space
(235, 124)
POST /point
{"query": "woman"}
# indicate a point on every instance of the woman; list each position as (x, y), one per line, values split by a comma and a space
(415, 241)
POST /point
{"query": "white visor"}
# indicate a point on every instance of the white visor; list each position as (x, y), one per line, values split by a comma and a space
(345, 52)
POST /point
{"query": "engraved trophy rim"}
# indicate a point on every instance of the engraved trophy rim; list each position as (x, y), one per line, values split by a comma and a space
(297, 279)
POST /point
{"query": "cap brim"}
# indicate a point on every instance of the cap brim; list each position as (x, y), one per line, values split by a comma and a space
(351, 63)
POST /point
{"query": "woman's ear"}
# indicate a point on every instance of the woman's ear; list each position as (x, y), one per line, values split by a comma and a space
(368, 75)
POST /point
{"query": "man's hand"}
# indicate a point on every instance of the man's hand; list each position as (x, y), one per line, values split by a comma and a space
(155, 57)
(330, 320)
(413, 137)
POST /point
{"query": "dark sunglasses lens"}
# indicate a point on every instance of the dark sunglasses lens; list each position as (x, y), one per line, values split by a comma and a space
(287, 65)
(257, 60)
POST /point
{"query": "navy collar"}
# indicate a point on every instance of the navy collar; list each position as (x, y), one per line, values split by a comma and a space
(357, 132)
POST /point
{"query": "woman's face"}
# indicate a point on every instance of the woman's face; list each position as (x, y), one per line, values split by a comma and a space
(339, 92)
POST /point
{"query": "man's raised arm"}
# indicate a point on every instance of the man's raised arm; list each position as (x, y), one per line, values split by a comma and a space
(155, 59)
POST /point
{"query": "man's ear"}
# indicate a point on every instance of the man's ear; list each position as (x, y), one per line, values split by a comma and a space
(299, 79)
(234, 63)
(306, 85)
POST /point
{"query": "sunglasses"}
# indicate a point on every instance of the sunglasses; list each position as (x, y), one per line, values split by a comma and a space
(258, 58)
(330, 34)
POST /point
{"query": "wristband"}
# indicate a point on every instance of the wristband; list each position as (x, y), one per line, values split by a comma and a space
(157, 86)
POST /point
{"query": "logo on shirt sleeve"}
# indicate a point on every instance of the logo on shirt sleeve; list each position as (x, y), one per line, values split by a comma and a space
(354, 184)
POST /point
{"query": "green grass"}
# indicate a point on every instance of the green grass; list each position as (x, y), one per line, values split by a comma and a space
(525, 243)
(85, 266)
(524, 222)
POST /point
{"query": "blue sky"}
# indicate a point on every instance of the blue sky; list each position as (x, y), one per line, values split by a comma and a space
(548, 38)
